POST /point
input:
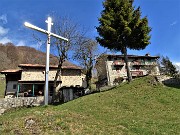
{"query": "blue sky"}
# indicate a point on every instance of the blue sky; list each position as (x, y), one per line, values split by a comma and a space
(163, 16)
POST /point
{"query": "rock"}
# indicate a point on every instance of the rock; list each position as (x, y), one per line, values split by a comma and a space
(2, 111)
(30, 122)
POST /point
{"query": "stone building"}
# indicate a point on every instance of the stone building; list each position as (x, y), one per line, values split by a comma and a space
(111, 67)
(30, 79)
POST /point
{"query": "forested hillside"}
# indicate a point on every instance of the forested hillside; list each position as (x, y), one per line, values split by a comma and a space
(11, 56)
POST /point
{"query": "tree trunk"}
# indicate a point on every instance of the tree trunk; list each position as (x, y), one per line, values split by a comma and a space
(55, 92)
(127, 65)
(88, 77)
(88, 80)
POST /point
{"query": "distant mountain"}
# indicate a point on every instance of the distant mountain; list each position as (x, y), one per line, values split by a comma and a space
(11, 56)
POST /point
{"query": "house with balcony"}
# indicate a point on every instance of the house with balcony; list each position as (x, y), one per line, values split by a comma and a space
(29, 80)
(111, 67)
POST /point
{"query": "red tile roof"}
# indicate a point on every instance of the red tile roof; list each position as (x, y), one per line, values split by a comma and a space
(11, 71)
(133, 56)
(66, 65)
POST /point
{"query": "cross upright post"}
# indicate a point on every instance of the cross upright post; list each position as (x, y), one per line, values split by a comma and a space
(49, 34)
(49, 23)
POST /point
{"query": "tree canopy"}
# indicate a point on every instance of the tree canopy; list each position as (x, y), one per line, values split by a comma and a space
(121, 27)
(85, 53)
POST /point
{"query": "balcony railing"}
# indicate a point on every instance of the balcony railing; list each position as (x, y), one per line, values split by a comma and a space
(143, 63)
(138, 63)
(137, 73)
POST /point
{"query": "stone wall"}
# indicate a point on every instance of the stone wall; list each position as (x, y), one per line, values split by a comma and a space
(70, 77)
(167, 80)
(37, 75)
(73, 78)
(120, 71)
(7, 103)
(101, 69)
(113, 73)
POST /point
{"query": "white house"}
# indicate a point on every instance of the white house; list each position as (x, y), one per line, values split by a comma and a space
(111, 67)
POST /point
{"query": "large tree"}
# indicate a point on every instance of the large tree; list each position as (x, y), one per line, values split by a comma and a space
(66, 28)
(85, 53)
(121, 27)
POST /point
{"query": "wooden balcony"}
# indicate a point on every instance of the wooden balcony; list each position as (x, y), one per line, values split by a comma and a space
(137, 73)
(142, 63)
(138, 63)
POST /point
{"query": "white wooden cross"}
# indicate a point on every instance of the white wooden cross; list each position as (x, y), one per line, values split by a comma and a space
(49, 34)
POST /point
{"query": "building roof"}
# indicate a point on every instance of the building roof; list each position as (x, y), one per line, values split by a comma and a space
(66, 65)
(133, 56)
(105, 56)
(11, 71)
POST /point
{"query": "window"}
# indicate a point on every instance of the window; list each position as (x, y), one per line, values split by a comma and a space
(109, 58)
(117, 69)
(137, 67)
(14, 86)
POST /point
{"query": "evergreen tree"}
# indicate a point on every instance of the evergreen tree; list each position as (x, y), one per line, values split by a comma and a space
(167, 67)
(121, 27)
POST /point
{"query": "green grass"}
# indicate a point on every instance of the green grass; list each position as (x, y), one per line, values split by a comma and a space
(2, 86)
(141, 107)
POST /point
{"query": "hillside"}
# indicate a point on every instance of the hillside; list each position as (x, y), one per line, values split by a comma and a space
(2, 85)
(141, 107)
(11, 56)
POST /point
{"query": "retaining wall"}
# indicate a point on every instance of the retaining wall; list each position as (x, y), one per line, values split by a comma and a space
(7, 103)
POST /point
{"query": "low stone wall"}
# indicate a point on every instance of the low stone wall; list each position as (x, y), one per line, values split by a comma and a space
(172, 81)
(167, 80)
(7, 103)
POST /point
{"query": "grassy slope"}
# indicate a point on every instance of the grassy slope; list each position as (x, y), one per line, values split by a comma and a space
(137, 108)
(2, 87)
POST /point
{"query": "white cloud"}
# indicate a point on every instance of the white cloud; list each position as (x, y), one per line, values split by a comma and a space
(3, 18)
(173, 23)
(177, 65)
(3, 31)
(21, 43)
(36, 45)
(5, 40)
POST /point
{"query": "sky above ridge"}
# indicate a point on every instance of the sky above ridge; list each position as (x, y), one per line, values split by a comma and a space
(163, 16)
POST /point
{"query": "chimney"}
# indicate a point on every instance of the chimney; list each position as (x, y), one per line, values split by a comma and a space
(147, 54)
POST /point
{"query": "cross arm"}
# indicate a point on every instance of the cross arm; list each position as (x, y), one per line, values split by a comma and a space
(35, 27)
(57, 36)
(31, 26)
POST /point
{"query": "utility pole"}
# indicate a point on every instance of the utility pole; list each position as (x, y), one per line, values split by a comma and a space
(49, 34)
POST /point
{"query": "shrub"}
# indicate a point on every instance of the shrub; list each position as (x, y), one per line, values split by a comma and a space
(118, 80)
